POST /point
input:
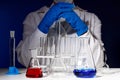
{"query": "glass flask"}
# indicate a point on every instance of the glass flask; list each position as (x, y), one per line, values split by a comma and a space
(58, 62)
(84, 64)
(34, 70)
(63, 47)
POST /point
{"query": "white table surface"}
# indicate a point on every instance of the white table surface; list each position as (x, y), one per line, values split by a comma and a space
(102, 74)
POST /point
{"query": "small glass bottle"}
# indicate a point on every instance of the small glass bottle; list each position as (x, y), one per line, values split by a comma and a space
(84, 64)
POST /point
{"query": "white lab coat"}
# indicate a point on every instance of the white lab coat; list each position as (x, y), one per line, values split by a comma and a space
(31, 35)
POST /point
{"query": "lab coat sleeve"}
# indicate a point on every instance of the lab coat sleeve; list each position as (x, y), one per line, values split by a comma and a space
(94, 32)
(31, 42)
(31, 38)
(30, 24)
(98, 36)
(96, 50)
(97, 30)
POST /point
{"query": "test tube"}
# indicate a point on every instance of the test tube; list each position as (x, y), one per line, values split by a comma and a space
(12, 48)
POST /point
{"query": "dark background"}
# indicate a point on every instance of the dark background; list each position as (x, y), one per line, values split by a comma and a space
(13, 12)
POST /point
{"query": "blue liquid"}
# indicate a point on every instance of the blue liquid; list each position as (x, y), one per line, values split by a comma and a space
(85, 73)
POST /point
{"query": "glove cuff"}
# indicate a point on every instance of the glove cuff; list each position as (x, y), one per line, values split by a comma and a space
(82, 31)
(43, 29)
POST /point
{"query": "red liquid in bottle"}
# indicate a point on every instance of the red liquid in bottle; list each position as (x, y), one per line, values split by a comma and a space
(34, 73)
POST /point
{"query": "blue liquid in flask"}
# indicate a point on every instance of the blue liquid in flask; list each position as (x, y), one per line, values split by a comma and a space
(85, 73)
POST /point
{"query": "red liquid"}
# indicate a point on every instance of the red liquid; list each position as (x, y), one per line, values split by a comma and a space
(34, 73)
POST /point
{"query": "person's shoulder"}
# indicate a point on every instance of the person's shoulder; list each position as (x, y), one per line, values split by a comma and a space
(42, 10)
(88, 13)
(35, 14)
(84, 11)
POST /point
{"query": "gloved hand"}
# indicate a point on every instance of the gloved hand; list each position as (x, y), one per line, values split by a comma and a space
(53, 14)
(74, 20)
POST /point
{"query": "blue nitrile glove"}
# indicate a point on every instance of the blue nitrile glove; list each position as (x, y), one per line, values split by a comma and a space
(53, 14)
(76, 23)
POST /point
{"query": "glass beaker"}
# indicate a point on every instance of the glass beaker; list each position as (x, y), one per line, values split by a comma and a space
(84, 66)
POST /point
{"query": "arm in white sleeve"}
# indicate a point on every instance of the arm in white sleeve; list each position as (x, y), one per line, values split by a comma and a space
(96, 43)
(97, 30)
(31, 38)
(97, 35)
(30, 24)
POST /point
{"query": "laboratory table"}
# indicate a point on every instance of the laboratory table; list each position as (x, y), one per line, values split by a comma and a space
(102, 74)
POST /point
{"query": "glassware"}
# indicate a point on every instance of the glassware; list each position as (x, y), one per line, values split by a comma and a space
(64, 47)
(34, 70)
(59, 52)
(58, 63)
(45, 55)
(12, 68)
(84, 66)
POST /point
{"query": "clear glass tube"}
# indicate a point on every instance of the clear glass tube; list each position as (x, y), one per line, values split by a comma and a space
(12, 69)
(12, 48)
